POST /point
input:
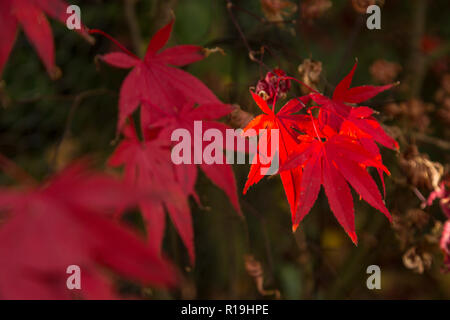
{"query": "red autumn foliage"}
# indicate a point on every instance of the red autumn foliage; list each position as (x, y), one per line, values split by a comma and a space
(30, 15)
(167, 97)
(154, 79)
(332, 150)
(68, 220)
(65, 222)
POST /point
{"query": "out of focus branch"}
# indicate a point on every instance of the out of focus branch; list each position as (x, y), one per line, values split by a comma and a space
(417, 63)
(133, 25)
(251, 53)
(261, 18)
(76, 103)
(438, 53)
(442, 144)
(164, 12)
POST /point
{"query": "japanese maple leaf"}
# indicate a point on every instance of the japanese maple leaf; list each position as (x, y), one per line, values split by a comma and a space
(149, 167)
(336, 111)
(332, 163)
(283, 121)
(64, 222)
(221, 174)
(153, 79)
(30, 15)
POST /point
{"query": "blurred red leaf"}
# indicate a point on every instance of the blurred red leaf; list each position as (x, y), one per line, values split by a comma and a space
(64, 223)
(30, 15)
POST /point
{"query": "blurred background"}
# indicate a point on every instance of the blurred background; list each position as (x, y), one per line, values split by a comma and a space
(316, 41)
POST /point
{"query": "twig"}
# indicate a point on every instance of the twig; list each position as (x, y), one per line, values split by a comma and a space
(251, 53)
(445, 145)
(77, 101)
(133, 25)
(350, 43)
(417, 63)
(262, 221)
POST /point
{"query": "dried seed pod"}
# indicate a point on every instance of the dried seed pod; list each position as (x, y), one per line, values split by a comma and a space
(416, 260)
(360, 6)
(310, 71)
(420, 171)
(255, 270)
(273, 85)
(417, 218)
(415, 111)
(277, 10)
(384, 72)
(312, 9)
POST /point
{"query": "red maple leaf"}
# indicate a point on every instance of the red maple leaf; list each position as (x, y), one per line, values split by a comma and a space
(338, 111)
(283, 121)
(221, 174)
(358, 122)
(64, 223)
(152, 79)
(148, 166)
(30, 15)
(332, 163)
(332, 150)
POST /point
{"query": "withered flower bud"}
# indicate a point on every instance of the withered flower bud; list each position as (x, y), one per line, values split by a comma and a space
(310, 71)
(419, 170)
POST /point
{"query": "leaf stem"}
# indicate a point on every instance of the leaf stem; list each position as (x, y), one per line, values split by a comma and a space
(116, 42)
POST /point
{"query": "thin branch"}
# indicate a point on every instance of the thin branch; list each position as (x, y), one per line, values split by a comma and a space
(262, 221)
(442, 144)
(76, 103)
(357, 27)
(133, 25)
(251, 53)
(417, 62)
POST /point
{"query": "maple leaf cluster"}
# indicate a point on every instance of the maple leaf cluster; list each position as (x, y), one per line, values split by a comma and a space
(68, 220)
(332, 149)
(169, 98)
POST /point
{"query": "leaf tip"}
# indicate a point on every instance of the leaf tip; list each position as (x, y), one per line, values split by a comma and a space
(354, 238)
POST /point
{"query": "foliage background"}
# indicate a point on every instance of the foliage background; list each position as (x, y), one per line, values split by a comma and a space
(78, 114)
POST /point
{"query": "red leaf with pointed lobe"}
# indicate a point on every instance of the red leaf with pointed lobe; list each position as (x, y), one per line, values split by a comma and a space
(184, 118)
(336, 111)
(343, 92)
(282, 121)
(154, 80)
(333, 163)
(29, 14)
(65, 223)
(148, 166)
